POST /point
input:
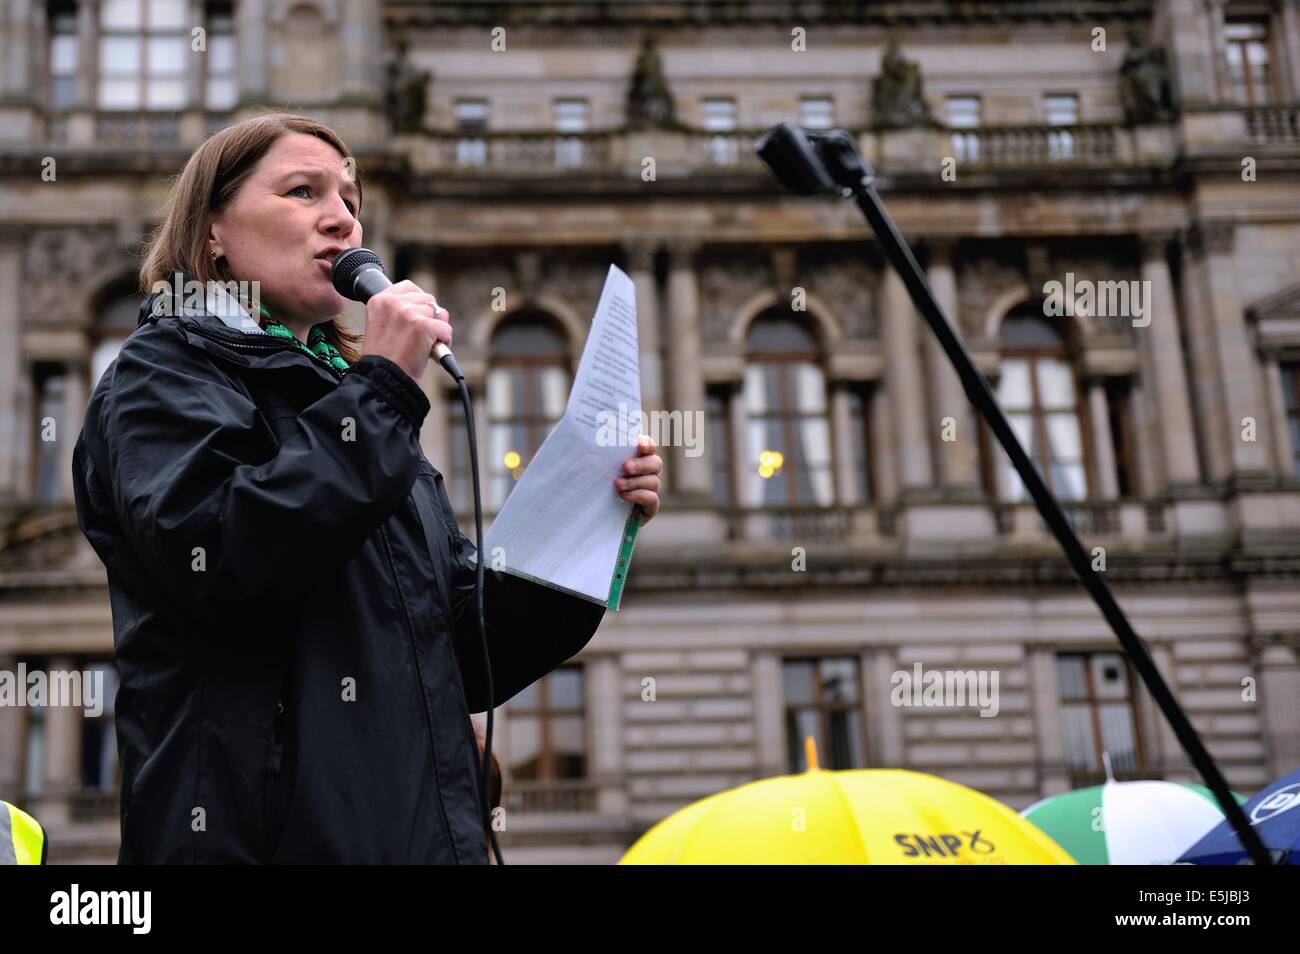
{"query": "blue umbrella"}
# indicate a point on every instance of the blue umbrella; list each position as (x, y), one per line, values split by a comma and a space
(1274, 813)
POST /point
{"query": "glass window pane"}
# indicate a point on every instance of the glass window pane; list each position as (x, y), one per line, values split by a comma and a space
(755, 387)
(845, 749)
(564, 688)
(1071, 677)
(221, 92)
(1069, 482)
(809, 387)
(1078, 739)
(1118, 736)
(963, 112)
(165, 93)
(119, 94)
(221, 55)
(554, 384)
(719, 115)
(1061, 110)
(571, 115)
(119, 56)
(839, 680)
(814, 442)
(167, 14)
(568, 748)
(799, 683)
(1064, 444)
(63, 91)
(525, 746)
(63, 55)
(816, 112)
(121, 14)
(799, 724)
(500, 393)
(1109, 677)
(1055, 383)
(166, 55)
(1013, 384)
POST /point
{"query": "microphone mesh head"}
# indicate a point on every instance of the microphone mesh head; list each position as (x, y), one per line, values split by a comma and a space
(343, 272)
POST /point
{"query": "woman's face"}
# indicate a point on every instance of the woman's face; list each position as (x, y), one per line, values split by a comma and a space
(293, 213)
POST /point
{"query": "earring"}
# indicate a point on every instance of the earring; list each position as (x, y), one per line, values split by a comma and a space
(214, 253)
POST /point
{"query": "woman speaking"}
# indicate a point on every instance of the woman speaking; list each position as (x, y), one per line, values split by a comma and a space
(291, 595)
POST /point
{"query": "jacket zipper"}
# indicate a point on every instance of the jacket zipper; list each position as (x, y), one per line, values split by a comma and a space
(275, 344)
(419, 677)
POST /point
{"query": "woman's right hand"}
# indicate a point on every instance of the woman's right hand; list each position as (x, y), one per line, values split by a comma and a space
(403, 323)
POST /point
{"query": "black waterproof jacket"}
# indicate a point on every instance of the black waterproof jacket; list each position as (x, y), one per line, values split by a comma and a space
(292, 606)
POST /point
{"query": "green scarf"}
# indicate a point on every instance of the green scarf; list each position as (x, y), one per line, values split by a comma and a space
(318, 346)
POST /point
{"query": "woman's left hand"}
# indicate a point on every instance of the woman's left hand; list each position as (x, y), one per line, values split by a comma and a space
(640, 481)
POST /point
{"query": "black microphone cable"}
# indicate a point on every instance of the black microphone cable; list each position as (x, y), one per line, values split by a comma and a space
(358, 273)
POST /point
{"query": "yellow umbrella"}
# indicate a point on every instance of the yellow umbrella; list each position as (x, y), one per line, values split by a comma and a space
(867, 816)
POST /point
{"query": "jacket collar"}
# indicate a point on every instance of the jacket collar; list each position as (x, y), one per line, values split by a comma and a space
(186, 296)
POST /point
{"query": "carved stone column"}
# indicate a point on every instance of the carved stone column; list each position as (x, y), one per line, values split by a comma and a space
(1163, 369)
(904, 384)
(1237, 372)
(958, 460)
(693, 474)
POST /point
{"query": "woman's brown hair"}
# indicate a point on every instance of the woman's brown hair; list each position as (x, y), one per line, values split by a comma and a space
(208, 184)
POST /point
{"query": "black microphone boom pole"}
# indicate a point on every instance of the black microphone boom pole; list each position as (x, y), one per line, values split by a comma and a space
(808, 163)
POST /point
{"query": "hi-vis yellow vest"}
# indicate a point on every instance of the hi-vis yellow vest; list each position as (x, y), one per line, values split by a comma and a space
(22, 840)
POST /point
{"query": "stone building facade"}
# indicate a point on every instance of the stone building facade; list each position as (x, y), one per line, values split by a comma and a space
(844, 521)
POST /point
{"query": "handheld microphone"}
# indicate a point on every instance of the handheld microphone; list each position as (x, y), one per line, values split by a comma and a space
(359, 274)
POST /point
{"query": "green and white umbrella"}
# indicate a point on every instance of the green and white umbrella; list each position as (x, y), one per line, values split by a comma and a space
(1128, 823)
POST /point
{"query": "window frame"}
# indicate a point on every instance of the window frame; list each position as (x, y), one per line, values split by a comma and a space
(538, 427)
(543, 712)
(824, 709)
(1039, 414)
(1272, 90)
(785, 362)
(1093, 701)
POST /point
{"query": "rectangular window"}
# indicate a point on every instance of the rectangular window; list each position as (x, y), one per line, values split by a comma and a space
(144, 49)
(547, 729)
(789, 434)
(64, 55)
(1250, 67)
(719, 446)
(1291, 398)
(963, 114)
(816, 112)
(571, 116)
(219, 87)
(719, 116)
(525, 401)
(471, 116)
(823, 700)
(1098, 716)
(1061, 110)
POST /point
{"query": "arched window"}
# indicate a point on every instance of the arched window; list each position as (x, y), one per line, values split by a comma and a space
(1037, 390)
(527, 387)
(785, 407)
